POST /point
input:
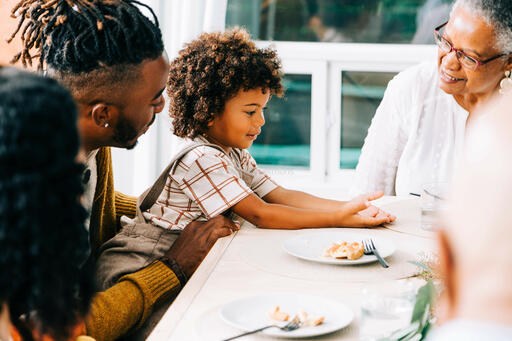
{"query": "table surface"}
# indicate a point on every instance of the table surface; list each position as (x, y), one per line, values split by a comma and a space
(225, 276)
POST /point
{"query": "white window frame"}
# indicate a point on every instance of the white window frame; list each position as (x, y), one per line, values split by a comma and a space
(329, 60)
(286, 175)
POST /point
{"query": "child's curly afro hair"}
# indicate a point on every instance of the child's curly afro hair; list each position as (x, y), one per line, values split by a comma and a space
(213, 69)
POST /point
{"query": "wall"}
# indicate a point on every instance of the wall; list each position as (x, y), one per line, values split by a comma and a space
(7, 27)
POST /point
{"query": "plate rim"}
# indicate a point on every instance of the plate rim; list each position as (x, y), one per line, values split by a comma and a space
(372, 258)
(332, 301)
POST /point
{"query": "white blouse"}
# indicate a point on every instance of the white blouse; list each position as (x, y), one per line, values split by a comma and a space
(415, 136)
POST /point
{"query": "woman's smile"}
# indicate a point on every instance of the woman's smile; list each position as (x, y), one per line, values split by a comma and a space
(446, 78)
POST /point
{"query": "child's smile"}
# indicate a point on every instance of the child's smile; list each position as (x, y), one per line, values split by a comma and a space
(240, 123)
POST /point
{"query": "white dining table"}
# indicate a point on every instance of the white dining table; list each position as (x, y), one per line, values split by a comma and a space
(228, 273)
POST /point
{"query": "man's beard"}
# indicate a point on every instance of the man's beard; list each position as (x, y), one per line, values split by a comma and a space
(124, 133)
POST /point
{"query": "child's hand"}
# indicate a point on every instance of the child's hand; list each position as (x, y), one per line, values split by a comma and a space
(359, 213)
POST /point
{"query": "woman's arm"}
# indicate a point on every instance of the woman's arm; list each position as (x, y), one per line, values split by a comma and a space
(268, 215)
(384, 144)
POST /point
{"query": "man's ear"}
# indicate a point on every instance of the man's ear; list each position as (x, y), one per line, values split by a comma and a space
(447, 271)
(103, 115)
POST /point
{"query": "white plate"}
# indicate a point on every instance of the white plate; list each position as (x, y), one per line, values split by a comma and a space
(252, 313)
(312, 246)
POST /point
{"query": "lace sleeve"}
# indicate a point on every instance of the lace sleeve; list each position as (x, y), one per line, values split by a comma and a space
(384, 144)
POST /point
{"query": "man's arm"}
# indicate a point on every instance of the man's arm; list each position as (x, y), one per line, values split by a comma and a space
(125, 205)
(126, 306)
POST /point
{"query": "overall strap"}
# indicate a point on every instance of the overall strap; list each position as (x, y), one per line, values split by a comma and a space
(150, 196)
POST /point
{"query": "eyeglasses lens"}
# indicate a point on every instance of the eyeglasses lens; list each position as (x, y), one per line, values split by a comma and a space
(446, 47)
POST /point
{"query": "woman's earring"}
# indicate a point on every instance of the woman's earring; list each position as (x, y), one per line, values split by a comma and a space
(105, 125)
(506, 83)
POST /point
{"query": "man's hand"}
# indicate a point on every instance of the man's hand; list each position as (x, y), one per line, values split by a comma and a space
(197, 239)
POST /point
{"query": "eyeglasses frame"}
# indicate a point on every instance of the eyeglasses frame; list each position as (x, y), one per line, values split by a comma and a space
(460, 52)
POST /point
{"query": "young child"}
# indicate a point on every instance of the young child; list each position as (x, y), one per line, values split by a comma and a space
(218, 88)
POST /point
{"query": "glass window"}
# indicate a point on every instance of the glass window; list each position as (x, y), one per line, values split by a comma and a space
(361, 93)
(285, 137)
(359, 21)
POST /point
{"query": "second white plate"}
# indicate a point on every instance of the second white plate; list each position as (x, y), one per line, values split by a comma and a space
(252, 312)
(312, 246)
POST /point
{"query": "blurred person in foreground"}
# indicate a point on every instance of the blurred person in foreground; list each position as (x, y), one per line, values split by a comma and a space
(474, 245)
(43, 242)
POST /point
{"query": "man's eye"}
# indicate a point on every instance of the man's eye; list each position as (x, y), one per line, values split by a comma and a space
(250, 112)
(159, 103)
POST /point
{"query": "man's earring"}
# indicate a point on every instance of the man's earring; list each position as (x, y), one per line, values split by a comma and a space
(506, 83)
(105, 125)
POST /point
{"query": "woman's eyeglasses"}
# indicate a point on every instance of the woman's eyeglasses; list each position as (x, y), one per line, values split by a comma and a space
(465, 60)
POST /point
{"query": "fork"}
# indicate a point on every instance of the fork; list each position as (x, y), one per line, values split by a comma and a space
(369, 249)
(294, 324)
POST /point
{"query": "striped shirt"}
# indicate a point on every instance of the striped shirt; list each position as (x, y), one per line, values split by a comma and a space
(206, 183)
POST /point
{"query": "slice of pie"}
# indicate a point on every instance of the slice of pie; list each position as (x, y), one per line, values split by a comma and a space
(344, 249)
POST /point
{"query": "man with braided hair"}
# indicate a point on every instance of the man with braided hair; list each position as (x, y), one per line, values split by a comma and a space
(111, 57)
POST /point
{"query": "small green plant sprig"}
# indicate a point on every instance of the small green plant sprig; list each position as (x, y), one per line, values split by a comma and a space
(427, 264)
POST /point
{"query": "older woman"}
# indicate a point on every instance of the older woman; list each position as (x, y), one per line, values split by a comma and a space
(43, 241)
(418, 131)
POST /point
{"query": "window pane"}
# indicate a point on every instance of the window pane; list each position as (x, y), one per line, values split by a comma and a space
(360, 21)
(361, 93)
(285, 137)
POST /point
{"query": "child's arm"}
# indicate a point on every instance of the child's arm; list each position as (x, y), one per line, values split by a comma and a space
(300, 199)
(268, 215)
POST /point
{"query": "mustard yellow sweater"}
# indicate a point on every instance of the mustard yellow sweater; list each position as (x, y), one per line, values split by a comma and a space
(125, 306)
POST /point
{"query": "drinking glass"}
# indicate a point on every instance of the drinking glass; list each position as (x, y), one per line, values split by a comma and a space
(432, 200)
(383, 313)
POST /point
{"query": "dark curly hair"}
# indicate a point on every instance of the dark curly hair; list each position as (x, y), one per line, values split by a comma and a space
(43, 241)
(87, 42)
(83, 35)
(213, 69)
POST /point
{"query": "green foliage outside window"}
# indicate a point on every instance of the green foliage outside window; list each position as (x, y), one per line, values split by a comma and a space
(362, 21)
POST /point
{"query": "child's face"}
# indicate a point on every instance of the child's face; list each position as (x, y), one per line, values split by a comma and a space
(241, 122)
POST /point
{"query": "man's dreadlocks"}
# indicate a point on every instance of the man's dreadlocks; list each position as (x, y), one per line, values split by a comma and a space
(79, 36)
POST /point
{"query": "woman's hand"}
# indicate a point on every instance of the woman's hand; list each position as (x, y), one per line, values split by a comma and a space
(358, 212)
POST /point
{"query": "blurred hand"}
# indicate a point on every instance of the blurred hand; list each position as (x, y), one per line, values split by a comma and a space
(197, 239)
(358, 212)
